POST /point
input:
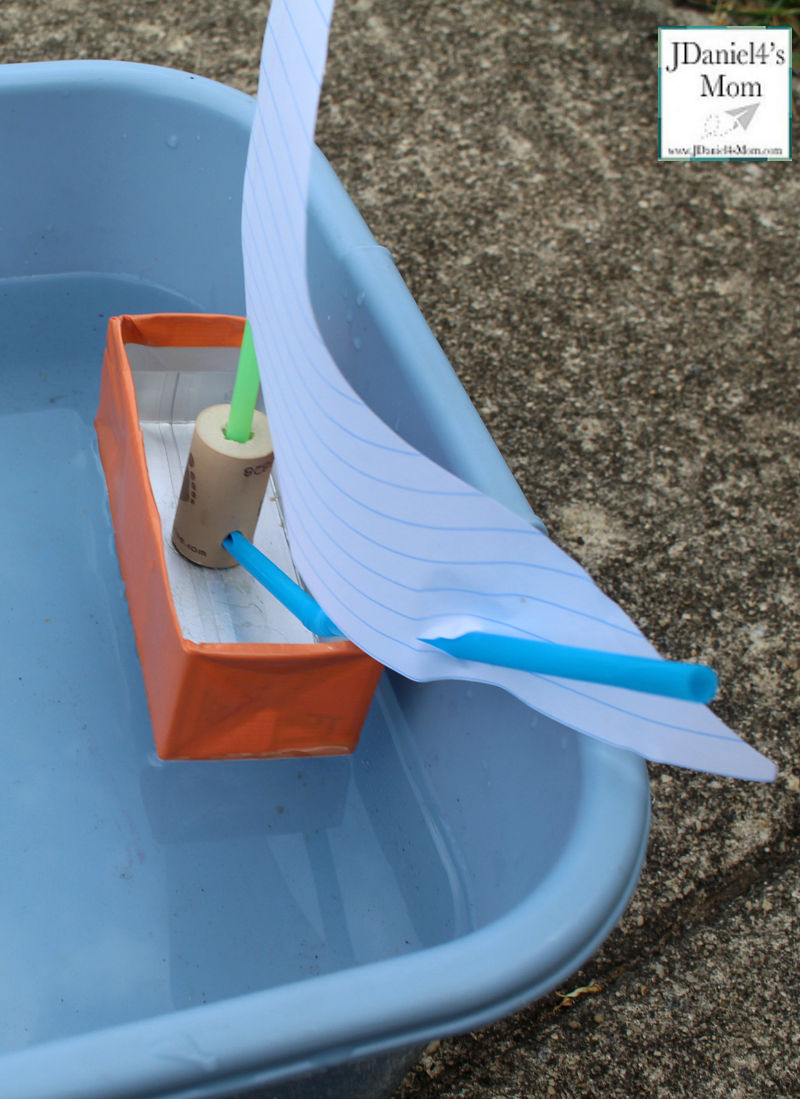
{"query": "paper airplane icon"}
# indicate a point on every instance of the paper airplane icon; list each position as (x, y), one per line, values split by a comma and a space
(744, 115)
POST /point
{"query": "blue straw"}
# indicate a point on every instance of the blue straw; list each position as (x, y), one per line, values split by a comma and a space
(694, 682)
(293, 597)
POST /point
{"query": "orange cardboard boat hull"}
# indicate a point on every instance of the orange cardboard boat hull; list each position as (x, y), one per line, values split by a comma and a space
(212, 701)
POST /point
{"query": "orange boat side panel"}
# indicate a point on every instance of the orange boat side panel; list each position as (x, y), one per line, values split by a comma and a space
(211, 701)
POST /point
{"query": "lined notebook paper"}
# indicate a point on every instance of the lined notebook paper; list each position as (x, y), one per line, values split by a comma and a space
(392, 546)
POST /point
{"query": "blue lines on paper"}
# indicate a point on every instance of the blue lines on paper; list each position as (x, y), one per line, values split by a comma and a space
(280, 277)
(317, 80)
(276, 112)
(277, 327)
(299, 246)
(301, 117)
(298, 494)
(300, 345)
(579, 574)
(296, 344)
(631, 713)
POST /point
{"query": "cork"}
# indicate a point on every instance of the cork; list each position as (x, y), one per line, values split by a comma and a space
(223, 487)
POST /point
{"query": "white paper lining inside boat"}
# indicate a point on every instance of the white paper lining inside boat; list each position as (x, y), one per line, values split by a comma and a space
(173, 385)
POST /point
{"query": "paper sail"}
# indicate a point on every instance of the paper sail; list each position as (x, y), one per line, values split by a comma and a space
(392, 546)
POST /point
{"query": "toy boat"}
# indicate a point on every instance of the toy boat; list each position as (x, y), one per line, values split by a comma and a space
(229, 672)
(220, 928)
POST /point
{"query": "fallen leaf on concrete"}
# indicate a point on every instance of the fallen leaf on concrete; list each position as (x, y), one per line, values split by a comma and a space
(569, 998)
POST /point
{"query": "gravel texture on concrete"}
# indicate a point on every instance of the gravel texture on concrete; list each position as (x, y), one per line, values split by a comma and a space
(629, 332)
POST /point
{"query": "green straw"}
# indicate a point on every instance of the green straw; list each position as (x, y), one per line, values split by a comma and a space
(245, 391)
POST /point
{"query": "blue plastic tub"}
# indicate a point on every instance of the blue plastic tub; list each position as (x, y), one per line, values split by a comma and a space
(290, 928)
